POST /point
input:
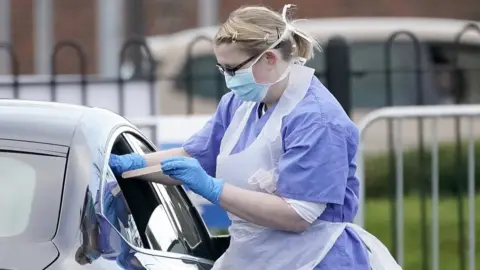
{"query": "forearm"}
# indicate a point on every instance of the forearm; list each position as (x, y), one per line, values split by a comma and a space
(262, 209)
(155, 158)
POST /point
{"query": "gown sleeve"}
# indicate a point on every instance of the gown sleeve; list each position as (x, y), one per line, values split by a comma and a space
(315, 164)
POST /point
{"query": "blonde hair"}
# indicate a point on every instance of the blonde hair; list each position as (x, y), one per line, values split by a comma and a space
(256, 28)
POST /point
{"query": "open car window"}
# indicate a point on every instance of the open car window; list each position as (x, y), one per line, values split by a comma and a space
(175, 225)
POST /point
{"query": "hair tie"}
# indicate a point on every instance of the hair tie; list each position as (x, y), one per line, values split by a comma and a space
(265, 38)
(290, 26)
(284, 11)
(234, 37)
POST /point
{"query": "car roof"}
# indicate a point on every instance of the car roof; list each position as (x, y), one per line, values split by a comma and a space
(39, 121)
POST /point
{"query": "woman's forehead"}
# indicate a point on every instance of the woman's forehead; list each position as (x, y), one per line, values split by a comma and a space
(229, 54)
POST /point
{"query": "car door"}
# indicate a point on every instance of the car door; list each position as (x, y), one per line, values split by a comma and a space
(156, 222)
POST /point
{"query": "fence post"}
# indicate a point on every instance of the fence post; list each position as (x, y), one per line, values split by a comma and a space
(137, 43)
(337, 71)
(397, 212)
(460, 94)
(190, 70)
(14, 67)
(82, 63)
(136, 27)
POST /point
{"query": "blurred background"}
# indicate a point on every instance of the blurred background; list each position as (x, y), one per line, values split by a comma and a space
(152, 61)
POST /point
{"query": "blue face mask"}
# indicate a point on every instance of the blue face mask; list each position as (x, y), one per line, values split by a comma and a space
(245, 87)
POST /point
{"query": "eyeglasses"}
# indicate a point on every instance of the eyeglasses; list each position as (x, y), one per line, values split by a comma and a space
(231, 71)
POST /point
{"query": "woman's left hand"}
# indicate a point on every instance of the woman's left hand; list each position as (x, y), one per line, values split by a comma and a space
(190, 172)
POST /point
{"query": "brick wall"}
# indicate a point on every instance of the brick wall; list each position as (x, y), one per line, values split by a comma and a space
(21, 20)
(168, 16)
(76, 20)
(463, 9)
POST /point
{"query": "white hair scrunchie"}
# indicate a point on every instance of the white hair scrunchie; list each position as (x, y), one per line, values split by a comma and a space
(290, 27)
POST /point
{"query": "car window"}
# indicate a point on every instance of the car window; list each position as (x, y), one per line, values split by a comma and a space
(30, 194)
(167, 233)
(100, 243)
(368, 63)
(116, 210)
(137, 143)
(443, 58)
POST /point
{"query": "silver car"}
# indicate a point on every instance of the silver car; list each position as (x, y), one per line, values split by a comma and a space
(61, 207)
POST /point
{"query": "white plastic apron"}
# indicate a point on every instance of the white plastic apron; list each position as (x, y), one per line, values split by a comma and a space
(256, 247)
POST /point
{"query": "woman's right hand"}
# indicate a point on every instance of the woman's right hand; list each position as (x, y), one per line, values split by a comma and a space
(122, 163)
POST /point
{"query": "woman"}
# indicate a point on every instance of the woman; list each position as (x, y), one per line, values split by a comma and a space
(277, 155)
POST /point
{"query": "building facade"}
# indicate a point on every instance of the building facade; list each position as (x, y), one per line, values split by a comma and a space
(79, 21)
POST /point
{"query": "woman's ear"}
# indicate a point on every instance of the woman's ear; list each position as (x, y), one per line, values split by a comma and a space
(271, 57)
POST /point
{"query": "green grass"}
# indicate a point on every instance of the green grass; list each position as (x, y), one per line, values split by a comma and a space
(378, 223)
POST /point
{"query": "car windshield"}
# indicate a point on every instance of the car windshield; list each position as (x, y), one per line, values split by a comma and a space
(30, 194)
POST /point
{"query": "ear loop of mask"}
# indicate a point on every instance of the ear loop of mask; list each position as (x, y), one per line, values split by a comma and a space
(280, 39)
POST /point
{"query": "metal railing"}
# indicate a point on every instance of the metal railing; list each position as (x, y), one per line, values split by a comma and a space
(195, 84)
(127, 96)
(398, 115)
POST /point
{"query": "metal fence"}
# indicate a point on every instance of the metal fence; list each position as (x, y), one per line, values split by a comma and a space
(336, 72)
(466, 175)
(87, 89)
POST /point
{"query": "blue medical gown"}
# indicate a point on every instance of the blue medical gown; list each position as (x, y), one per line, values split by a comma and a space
(318, 164)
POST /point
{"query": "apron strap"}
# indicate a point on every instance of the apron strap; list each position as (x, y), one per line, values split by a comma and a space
(299, 83)
(235, 128)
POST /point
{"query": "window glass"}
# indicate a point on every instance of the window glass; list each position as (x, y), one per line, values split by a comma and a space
(463, 84)
(138, 143)
(159, 225)
(369, 79)
(100, 244)
(18, 191)
(30, 194)
(116, 210)
(161, 234)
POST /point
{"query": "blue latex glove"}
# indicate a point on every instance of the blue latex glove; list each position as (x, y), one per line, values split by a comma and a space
(191, 173)
(123, 163)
